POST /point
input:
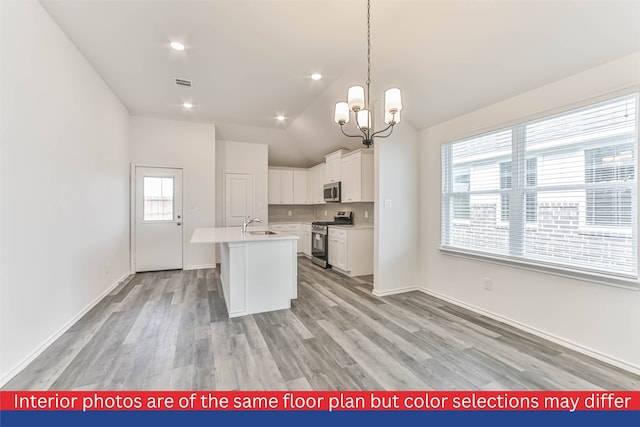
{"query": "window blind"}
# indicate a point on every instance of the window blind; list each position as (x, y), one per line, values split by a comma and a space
(560, 190)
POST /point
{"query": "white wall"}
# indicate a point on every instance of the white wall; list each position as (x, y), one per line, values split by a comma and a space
(191, 146)
(247, 158)
(595, 318)
(64, 176)
(396, 228)
(283, 148)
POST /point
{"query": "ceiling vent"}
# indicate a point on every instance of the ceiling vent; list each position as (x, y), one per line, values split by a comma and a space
(183, 82)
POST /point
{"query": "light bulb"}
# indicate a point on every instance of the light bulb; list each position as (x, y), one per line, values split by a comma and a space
(341, 113)
(177, 46)
(388, 117)
(392, 100)
(364, 119)
(355, 98)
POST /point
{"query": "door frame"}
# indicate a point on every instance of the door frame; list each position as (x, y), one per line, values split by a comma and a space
(132, 211)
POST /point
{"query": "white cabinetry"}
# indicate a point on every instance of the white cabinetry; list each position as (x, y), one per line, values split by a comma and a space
(305, 240)
(287, 186)
(351, 250)
(257, 273)
(300, 178)
(291, 228)
(338, 249)
(275, 192)
(332, 161)
(357, 177)
(316, 181)
(280, 186)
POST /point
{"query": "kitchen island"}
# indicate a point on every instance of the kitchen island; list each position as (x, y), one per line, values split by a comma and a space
(258, 271)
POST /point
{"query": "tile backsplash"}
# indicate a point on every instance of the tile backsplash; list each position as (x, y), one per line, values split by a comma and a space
(358, 210)
(304, 213)
(299, 213)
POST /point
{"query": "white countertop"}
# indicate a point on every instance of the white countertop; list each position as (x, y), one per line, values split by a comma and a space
(345, 226)
(351, 227)
(234, 234)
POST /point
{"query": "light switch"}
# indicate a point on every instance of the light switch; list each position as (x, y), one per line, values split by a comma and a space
(387, 203)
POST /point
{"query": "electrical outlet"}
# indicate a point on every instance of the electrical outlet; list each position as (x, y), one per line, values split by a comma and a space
(488, 284)
(366, 214)
(388, 203)
(289, 213)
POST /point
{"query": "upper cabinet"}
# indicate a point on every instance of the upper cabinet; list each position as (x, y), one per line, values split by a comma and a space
(287, 186)
(295, 186)
(280, 186)
(357, 176)
(316, 180)
(300, 184)
(334, 170)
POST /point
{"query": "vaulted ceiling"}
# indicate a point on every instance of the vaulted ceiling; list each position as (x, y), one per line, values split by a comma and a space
(252, 60)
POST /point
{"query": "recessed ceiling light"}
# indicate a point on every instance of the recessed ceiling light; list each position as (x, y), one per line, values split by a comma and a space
(280, 118)
(316, 76)
(177, 45)
(187, 105)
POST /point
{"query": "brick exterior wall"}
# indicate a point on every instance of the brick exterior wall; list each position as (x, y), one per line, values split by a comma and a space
(482, 230)
(556, 237)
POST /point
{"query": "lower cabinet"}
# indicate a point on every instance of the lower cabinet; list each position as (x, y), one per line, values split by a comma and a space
(297, 229)
(305, 240)
(338, 249)
(351, 250)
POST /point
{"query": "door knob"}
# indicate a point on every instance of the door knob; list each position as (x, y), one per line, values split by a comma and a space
(179, 223)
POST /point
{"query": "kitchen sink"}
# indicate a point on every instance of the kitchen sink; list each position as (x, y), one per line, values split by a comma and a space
(262, 233)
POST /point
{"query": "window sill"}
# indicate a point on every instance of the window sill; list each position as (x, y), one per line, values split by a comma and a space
(624, 282)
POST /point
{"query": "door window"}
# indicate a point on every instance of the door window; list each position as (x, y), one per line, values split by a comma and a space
(158, 198)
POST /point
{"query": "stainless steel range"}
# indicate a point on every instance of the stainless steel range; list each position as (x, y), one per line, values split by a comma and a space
(320, 237)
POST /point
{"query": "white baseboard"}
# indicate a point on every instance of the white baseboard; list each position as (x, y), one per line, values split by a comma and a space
(31, 357)
(199, 267)
(395, 291)
(538, 332)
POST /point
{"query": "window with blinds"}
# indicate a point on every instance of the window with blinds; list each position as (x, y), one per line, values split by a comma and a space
(560, 191)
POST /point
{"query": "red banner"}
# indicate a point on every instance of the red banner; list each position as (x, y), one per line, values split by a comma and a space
(321, 400)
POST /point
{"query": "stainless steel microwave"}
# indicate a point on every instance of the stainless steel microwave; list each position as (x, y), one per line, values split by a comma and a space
(332, 192)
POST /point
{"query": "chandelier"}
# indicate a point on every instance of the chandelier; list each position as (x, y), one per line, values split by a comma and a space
(360, 105)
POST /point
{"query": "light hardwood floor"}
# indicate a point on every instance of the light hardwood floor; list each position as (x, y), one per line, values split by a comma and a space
(170, 330)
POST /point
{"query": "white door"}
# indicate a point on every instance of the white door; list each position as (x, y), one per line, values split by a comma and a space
(238, 198)
(158, 219)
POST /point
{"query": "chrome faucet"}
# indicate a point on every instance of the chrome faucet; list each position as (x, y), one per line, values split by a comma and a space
(246, 220)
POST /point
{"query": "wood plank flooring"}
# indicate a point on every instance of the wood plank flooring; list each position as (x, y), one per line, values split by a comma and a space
(170, 330)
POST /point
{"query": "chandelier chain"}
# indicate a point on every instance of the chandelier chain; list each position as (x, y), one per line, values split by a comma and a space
(359, 104)
(368, 51)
